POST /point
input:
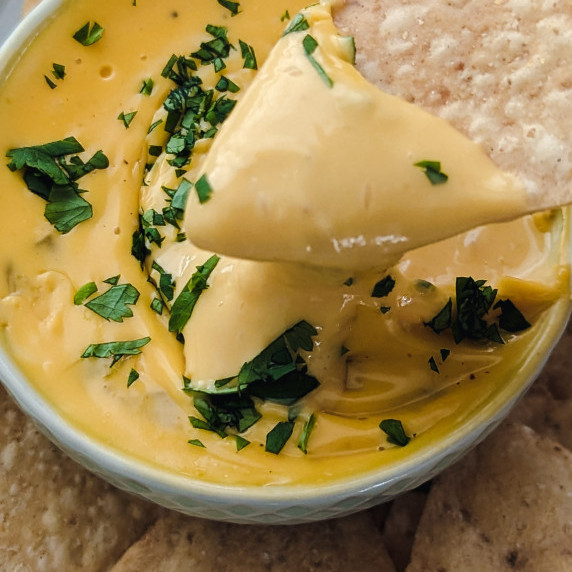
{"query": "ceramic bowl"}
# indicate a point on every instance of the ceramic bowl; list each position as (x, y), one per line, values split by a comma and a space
(276, 504)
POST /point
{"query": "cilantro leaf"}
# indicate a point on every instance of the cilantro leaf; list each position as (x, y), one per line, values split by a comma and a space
(298, 24)
(306, 432)
(48, 175)
(443, 319)
(203, 188)
(66, 208)
(185, 303)
(127, 118)
(396, 435)
(58, 71)
(89, 34)
(310, 45)
(433, 171)
(241, 442)
(248, 56)
(232, 7)
(113, 304)
(196, 443)
(511, 318)
(278, 436)
(116, 350)
(147, 87)
(383, 287)
(133, 377)
(433, 364)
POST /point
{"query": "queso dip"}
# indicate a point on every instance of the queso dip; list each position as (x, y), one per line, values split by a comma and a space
(252, 362)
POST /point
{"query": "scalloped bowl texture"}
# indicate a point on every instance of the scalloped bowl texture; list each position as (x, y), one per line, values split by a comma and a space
(276, 504)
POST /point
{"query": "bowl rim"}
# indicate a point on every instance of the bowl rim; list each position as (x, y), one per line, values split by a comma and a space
(125, 466)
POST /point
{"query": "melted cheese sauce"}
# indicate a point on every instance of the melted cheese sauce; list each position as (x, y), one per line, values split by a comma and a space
(385, 374)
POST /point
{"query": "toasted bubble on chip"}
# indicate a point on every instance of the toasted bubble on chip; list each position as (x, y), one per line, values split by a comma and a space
(507, 506)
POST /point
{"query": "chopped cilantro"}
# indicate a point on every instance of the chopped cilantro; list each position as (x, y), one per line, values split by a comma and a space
(133, 377)
(84, 293)
(50, 82)
(349, 282)
(225, 84)
(277, 374)
(185, 303)
(248, 56)
(424, 285)
(474, 301)
(433, 364)
(310, 45)
(306, 432)
(157, 305)
(396, 435)
(113, 304)
(285, 16)
(433, 172)
(443, 319)
(298, 24)
(58, 71)
(196, 443)
(232, 7)
(166, 284)
(154, 126)
(127, 118)
(147, 86)
(241, 442)
(511, 318)
(113, 280)
(383, 287)
(444, 353)
(88, 34)
(278, 436)
(48, 175)
(203, 188)
(384, 309)
(115, 350)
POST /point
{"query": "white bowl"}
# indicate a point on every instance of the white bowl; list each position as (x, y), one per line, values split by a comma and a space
(276, 504)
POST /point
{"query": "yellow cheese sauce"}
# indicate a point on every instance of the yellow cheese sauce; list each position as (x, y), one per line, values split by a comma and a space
(371, 354)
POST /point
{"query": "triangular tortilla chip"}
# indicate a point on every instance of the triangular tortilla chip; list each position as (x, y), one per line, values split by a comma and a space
(177, 543)
(507, 506)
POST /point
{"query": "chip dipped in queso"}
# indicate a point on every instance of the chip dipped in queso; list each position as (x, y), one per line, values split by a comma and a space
(230, 256)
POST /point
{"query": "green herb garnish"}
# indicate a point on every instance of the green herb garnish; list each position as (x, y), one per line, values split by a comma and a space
(241, 442)
(433, 171)
(58, 71)
(203, 188)
(383, 287)
(396, 435)
(310, 44)
(133, 377)
(147, 86)
(196, 443)
(444, 353)
(89, 34)
(306, 432)
(248, 56)
(113, 304)
(115, 350)
(225, 84)
(127, 118)
(298, 24)
(278, 436)
(285, 16)
(185, 303)
(433, 364)
(443, 319)
(232, 7)
(49, 175)
(511, 318)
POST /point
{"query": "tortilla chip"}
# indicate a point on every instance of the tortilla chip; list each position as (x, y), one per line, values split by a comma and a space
(507, 506)
(182, 543)
(496, 70)
(55, 516)
(400, 526)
